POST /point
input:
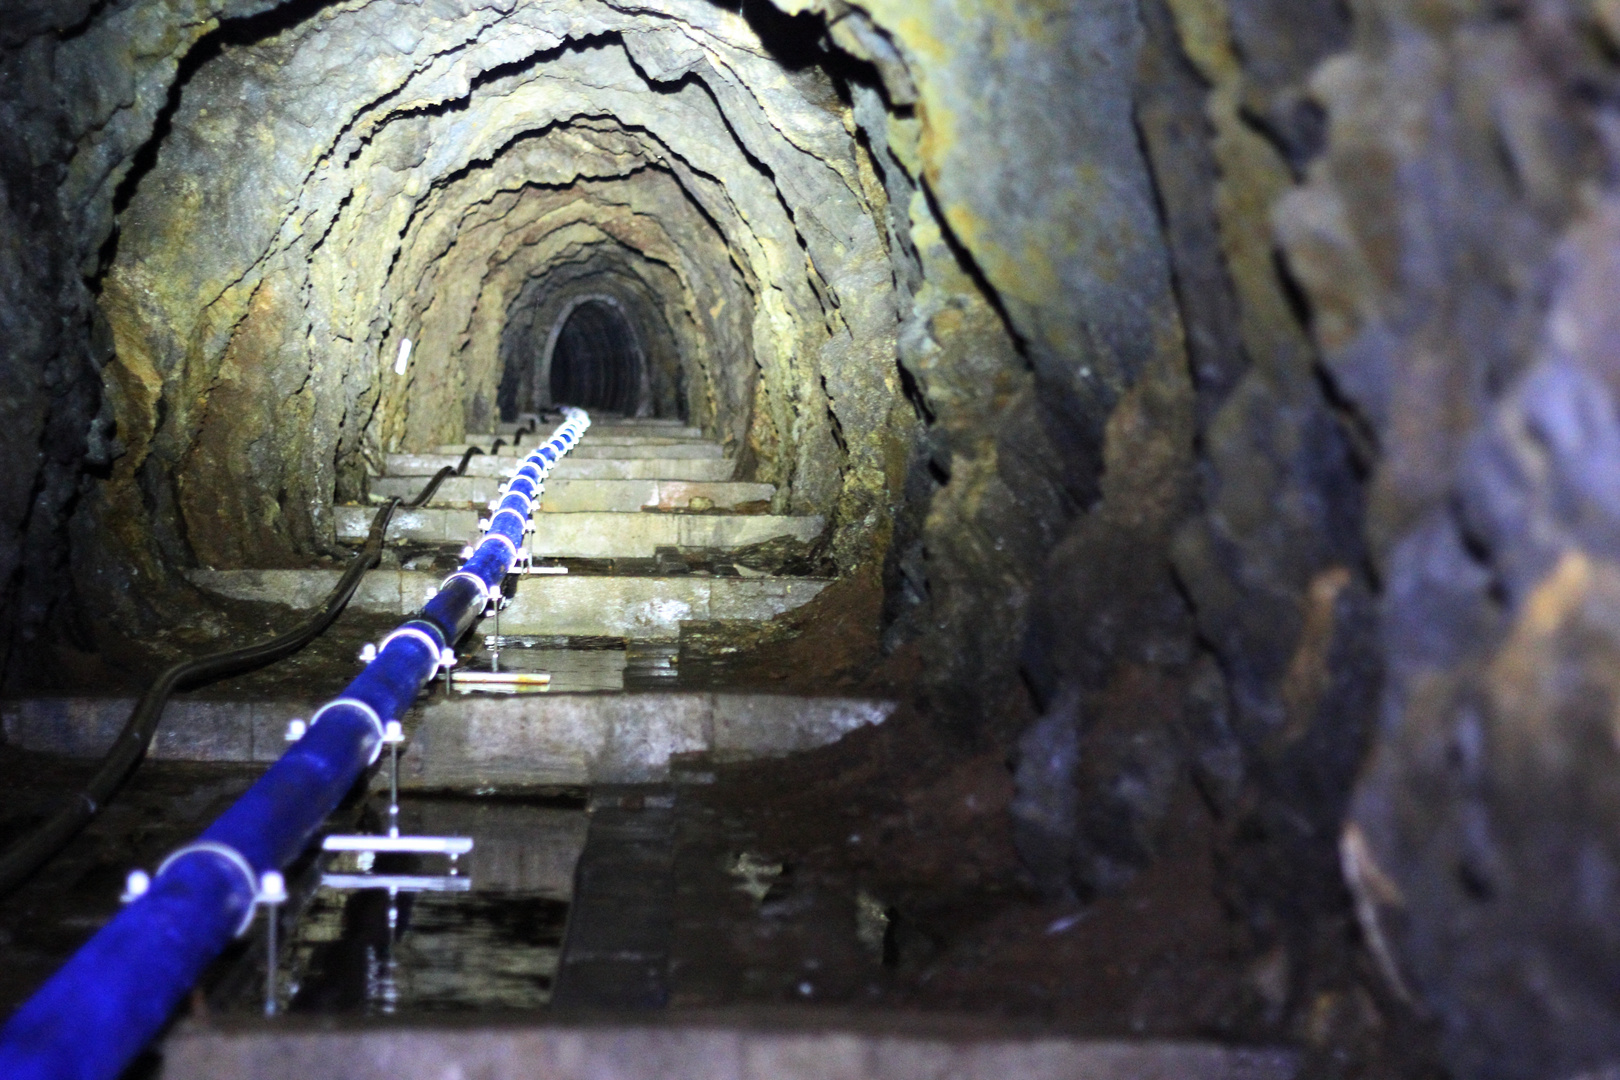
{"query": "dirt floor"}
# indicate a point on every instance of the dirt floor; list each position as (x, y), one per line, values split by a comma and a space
(916, 826)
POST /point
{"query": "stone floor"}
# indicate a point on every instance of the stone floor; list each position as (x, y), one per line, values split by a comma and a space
(701, 851)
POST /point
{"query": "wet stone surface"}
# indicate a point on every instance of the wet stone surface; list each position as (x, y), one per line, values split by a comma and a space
(493, 947)
(481, 934)
(575, 665)
(164, 806)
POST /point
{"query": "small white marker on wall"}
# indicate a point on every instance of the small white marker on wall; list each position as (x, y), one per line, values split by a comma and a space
(404, 357)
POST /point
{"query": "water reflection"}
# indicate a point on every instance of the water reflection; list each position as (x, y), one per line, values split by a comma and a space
(419, 940)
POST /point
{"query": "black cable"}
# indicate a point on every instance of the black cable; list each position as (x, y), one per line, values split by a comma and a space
(440, 477)
(26, 855)
(19, 861)
(22, 858)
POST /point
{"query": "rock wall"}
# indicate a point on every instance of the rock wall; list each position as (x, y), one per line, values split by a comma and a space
(1457, 242)
(1224, 386)
(57, 187)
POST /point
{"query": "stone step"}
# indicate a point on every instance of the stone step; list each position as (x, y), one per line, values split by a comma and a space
(568, 739)
(642, 608)
(683, 449)
(629, 423)
(466, 742)
(589, 535)
(808, 1044)
(570, 496)
(608, 436)
(673, 431)
(686, 448)
(571, 468)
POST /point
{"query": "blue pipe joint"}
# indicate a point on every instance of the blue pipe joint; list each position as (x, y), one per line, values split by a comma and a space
(274, 819)
(509, 523)
(390, 682)
(99, 1010)
(458, 603)
(490, 564)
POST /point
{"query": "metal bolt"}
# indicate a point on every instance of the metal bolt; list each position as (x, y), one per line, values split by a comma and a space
(272, 894)
(136, 885)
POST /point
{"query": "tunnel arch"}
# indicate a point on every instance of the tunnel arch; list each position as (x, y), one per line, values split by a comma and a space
(880, 312)
(655, 304)
(593, 357)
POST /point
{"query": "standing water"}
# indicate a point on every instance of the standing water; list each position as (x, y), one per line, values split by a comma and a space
(390, 934)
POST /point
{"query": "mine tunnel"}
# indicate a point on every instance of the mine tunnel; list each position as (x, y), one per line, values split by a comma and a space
(595, 359)
(553, 538)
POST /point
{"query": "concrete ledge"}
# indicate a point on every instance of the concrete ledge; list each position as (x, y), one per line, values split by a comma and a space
(666, 437)
(619, 437)
(573, 496)
(434, 524)
(644, 608)
(578, 739)
(602, 536)
(639, 448)
(695, 1047)
(589, 535)
(636, 429)
(647, 608)
(678, 449)
(389, 592)
(190, 730)
(571, 467)
(539, 740)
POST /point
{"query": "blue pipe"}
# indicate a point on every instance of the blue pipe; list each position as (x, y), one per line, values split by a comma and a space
(116, 993)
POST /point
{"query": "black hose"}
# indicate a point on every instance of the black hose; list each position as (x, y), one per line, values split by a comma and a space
(432, 485)
(440, 477)
(21, 859)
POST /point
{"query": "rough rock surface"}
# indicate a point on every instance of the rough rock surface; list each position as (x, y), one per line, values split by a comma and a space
(1458, 244)
(1223, 390)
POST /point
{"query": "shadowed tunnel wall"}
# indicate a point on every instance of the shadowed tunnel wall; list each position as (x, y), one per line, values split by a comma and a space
(1224, 406)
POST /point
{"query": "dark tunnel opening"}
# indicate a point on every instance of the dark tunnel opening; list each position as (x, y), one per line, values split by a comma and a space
(595, 360)
(1115, 551)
